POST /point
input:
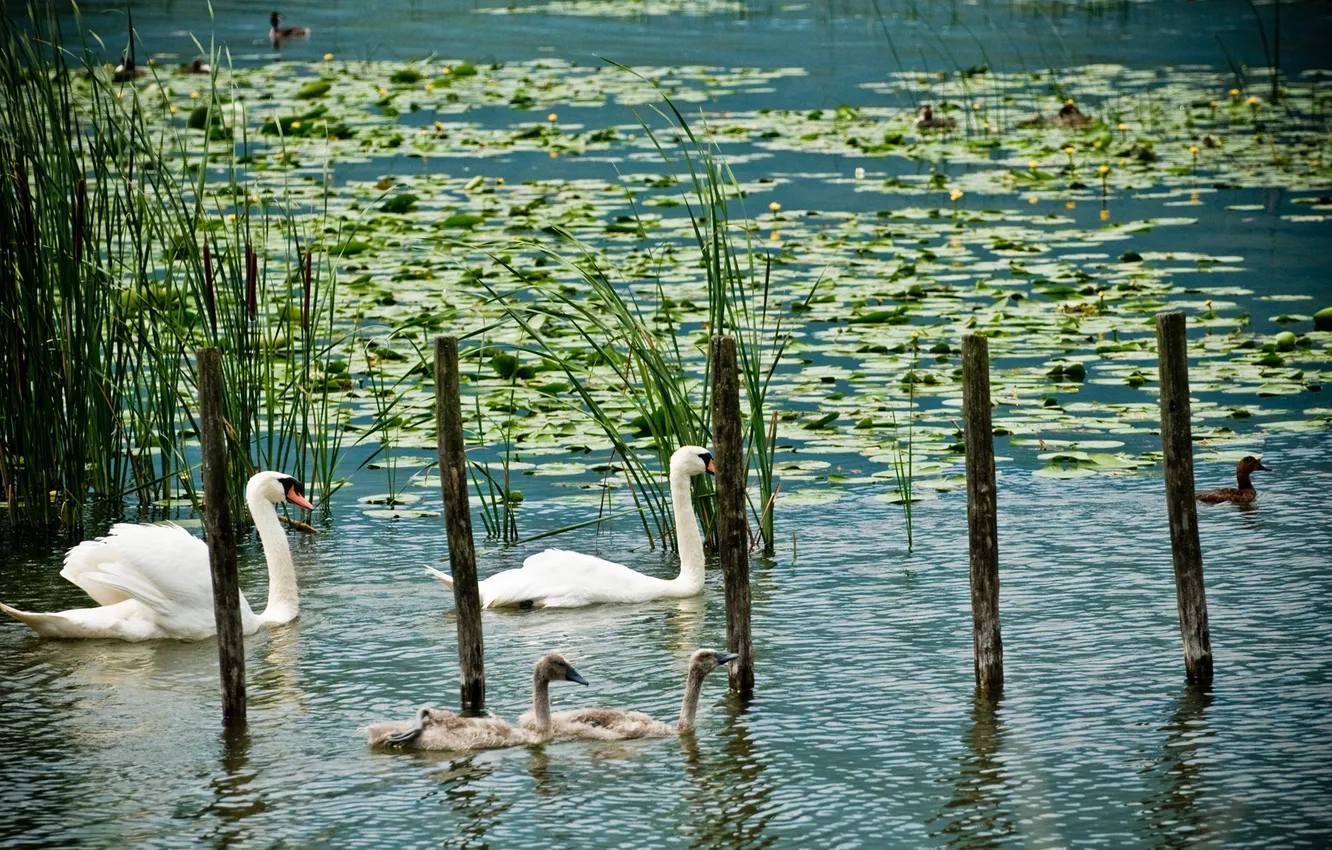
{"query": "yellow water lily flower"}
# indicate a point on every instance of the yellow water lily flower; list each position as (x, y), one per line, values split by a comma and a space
(774, 206)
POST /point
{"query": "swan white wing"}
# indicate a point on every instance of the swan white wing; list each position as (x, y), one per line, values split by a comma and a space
(560, 579)
(162, 566)
(85, 560)
(567, 562)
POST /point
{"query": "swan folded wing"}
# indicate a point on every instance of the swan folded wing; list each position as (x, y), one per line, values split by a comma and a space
(607, 724)
(162, 566)
(560, 579)
(86, 559)
(573, 563)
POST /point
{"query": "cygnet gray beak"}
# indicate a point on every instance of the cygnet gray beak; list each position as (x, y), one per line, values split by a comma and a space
(573, 676)
(726, 657)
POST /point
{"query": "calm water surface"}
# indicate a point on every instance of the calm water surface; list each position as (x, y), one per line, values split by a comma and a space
(864, 731)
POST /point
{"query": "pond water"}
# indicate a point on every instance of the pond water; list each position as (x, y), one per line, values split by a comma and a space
(863, 731)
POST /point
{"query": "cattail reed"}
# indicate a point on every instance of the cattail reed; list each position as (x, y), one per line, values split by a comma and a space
(306, 278)
(251, 282)
(210, 297)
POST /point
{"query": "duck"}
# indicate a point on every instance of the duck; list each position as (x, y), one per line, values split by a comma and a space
(557, 578)
(613, 724)
(435, 729)
(278, 33)
(1242, 495)
(153, 582)
(198, 66)
(1068, 116)
(127, 70)
(927, 121)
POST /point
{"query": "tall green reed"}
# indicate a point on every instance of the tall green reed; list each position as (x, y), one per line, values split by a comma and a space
(117, 263)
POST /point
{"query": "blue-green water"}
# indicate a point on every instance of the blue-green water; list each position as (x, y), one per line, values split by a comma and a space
(863, 731)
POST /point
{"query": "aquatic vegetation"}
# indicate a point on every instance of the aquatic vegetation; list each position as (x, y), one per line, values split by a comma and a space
(588, 299)
(117, 270)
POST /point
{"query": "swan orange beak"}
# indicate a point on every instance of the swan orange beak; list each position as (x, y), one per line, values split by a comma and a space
(297, 499)
(712, 467)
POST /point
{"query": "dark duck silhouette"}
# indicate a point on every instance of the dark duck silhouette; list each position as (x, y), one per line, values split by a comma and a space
(278, 33)
(927, 120)
(1244, 493)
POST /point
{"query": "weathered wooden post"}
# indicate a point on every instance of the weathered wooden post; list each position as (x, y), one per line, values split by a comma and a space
(1177, 447)
(221, 537)
(732, 530)
(458, 521)
(982, 516)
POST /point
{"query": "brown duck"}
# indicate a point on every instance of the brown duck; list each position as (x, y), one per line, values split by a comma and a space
(1242, 494)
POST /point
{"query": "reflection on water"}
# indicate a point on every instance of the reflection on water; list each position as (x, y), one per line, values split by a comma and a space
(730, 798)
(235, 797)
(1176, 815)
(477, 807)
(275, 676)
(979, 814)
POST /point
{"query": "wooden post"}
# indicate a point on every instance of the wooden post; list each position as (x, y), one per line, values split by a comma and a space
(982, 516)
(1177, 447)
(458, 521)
(732, 530)
(221, 537)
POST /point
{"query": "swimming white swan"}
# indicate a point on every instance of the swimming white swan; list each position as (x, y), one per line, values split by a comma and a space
(559, 579)
(434, 729)
(153, 581)
(613, 724)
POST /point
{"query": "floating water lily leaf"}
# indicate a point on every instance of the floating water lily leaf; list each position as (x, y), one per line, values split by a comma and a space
(1064, 472)
(380, 513)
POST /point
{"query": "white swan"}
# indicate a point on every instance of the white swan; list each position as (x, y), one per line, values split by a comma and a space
(153, 581)
(559, 579)
(434, 729)
(614, 724)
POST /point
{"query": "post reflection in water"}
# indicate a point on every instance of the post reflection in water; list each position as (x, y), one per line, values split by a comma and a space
(1173, 816)
(478, 809)
(729, 806)
(978, 815)
(234, 796)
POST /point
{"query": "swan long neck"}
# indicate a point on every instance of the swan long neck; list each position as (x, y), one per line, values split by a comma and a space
(283, 597)
(541, 701)
(687, 537)
(689, 707)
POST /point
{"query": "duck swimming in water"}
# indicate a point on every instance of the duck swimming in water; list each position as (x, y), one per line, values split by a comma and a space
(278, 34)
(1244, 494)
(927, 121)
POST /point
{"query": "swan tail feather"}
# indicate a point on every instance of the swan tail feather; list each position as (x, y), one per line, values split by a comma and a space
(104, 622)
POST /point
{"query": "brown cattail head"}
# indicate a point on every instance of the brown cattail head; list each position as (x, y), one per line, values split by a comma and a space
(306, 279)
(251, 281)
(210, 300)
